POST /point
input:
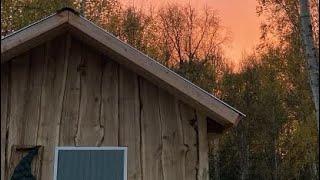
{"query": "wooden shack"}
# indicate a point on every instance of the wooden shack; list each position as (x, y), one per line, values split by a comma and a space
(67, 82)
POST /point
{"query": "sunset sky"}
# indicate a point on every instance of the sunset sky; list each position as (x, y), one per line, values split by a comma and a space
(238, 16)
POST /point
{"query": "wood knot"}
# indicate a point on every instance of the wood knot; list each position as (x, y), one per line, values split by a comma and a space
(165, 137)
(82, 69)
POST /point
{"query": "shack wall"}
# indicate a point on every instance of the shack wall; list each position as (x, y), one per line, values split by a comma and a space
(65, 93)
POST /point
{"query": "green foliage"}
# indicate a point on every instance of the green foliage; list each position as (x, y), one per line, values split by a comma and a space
(278, 139)
(16, 14)
(272, 142)
(199, 72)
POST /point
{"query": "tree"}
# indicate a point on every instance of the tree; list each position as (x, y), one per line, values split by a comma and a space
(191, 35)
(16, 14)
(310, 53)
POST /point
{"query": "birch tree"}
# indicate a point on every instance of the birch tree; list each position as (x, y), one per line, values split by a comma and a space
(310, 53)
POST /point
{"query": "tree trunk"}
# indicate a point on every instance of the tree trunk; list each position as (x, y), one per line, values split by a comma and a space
(310, 53)
(244, 157)
(82, 7)
(214, 146)
(275, 160)
(216, 160)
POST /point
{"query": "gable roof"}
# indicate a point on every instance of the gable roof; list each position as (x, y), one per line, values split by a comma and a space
(67, 20)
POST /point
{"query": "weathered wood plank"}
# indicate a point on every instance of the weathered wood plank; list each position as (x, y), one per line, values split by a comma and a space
(4, 112)
(129, 118)
(151, 145)
(188, 121)
(90, 130)
(27, 74)
(32, 103)
(203, 172)
(172, 138)
(51, 102)
(70, 111)
(109, 102)
(19, 82)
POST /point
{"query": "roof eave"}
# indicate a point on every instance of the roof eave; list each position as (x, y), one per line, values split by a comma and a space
(32, 35)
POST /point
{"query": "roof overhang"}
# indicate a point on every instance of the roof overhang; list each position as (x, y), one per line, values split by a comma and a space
(68, 21)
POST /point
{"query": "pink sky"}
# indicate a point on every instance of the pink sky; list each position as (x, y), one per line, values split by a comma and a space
(238, 16)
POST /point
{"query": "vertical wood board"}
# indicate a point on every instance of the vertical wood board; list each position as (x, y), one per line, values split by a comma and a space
(18, 93)
(70, 109)
(89, 129)
(110, 102)
(203, 172)
(4, 112)
(51, 102)
(189, 125)
(32, 101)
(172, 138)
(129, 118)
(151, 144)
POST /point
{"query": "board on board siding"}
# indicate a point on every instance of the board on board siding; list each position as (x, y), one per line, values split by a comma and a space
(27, 76)
(203, 173)
(31, 111)
(188, 121)
(19, 75)
(32, 101)
(89, 130)
(129, 118)
(51, 102)
(151, 144)
(172, 138)
(4, 111)
(110, 102)
(70, 109)
(114, 104)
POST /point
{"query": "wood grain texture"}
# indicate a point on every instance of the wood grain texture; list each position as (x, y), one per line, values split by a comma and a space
(4, 114)
(32, 101)
(90, 130)
(129, 118)
(172, 138)
(151, 145)
(51, 102)
(203, 172)
(18, 94)
(27, 77)
(70, 111)
(188, 121)
(110, 102)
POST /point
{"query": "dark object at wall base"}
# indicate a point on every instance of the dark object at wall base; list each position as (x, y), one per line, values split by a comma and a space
(23, 169)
